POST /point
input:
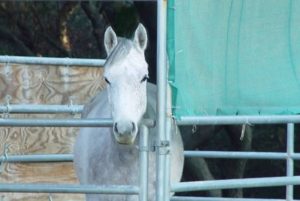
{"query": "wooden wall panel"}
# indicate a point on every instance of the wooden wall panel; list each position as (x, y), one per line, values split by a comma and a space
(34, 84)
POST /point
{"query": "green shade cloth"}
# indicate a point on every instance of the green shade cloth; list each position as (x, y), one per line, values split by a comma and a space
(231, 57)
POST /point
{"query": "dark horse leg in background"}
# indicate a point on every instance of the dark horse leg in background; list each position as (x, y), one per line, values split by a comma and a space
(236, 168)
(198, 168)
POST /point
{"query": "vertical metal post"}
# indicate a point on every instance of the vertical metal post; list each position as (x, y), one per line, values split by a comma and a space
(144, 159)
(161, 100)
(290, 161)
(167, 150)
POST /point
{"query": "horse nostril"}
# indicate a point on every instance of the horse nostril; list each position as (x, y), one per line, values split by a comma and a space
(116, 128)
(124, 128)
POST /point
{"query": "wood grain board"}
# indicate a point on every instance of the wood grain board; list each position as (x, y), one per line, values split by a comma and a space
(41, 84)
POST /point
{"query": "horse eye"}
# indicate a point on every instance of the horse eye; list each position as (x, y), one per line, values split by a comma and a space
(146, 77)
(106, 80)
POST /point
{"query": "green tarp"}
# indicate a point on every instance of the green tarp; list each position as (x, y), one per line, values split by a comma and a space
(231, 57)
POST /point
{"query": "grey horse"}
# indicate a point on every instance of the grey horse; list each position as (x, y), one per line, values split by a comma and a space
(110, 156)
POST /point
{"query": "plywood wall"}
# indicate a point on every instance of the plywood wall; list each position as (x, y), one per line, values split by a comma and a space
(34, 84)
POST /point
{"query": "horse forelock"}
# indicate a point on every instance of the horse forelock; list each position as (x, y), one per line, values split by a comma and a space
(120, 51)
(126, 59)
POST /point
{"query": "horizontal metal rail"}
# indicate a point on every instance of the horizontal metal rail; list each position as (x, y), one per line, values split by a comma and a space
(203, 154)
(127, 189)
(198, 120)
(40, 109)
(40, 158)
(64, 122)
(69, 188)
(234, 183)
(233, 120)
(187, 198)
(53, 61)
(242, 155)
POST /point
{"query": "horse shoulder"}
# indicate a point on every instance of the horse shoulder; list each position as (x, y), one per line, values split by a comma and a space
(97, 107)
(88, 139)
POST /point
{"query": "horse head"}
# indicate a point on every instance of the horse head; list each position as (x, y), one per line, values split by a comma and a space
(126, 74)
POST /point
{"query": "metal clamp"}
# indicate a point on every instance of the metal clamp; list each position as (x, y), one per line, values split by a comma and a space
(71, 106)
(163, 147)
(5, 114)
(4, 157)
(7, 69)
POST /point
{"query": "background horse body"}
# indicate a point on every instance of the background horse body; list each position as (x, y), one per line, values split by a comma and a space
(107, 156)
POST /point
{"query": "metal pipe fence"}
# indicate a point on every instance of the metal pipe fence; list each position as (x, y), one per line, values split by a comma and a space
(289, 156)
(163, 187)
(140, 190)
(182, 187)
(289, 180)
(8, 108)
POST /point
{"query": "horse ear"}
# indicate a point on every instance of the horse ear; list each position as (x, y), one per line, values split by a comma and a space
(110, 40)
(140, 37)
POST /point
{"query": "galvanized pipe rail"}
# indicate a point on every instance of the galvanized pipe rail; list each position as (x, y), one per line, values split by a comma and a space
(40, 108)
(242, 155)
(36, 158)
(202, 154)
(187, 198)
(69, 188)
(235, 183)
(64, 122)
(127, 189)
(162, 157)
(56, 61)
(237, 120)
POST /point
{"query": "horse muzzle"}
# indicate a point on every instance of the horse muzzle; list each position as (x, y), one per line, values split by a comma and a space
(125, 132)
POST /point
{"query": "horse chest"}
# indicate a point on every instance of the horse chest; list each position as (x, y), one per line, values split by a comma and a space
(114, 164)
